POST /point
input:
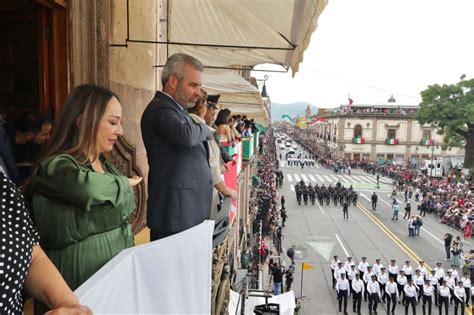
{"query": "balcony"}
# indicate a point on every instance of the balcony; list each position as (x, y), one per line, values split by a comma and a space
(427, 142)
(391, 141)
(358, 140)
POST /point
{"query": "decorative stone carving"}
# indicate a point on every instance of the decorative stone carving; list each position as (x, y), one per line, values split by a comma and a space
(125, 159)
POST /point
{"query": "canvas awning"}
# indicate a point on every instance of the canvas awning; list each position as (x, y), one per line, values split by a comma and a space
(237, 94)
(243, 33)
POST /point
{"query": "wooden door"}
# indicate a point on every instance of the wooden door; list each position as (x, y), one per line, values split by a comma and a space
(33, 56)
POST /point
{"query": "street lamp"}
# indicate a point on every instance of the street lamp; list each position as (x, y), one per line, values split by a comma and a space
(264, 93)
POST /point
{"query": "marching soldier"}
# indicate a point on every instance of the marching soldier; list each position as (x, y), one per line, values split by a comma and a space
(391, 290)
(357, 291)
(428, 296)
(342, 288)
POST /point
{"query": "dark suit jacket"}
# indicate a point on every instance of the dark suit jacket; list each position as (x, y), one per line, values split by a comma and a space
(179, 179)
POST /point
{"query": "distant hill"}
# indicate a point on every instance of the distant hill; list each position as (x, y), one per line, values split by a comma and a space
(291, 110)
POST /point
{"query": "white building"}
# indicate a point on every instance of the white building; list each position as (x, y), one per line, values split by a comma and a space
(375, 132)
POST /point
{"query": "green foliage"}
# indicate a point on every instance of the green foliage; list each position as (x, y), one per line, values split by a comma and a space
(449, 108)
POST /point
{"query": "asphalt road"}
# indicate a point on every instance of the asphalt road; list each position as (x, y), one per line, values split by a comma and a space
(319, 232)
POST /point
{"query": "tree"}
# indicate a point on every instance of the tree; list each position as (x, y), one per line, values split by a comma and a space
(450, 108)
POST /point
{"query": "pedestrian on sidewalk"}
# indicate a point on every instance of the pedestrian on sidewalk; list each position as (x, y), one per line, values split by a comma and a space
(277, 275)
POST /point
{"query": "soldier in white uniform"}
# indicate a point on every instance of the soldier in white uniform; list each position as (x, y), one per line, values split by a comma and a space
(459, 298)
(357, 292)
(444, 294)
(428, 296)
(392, 294)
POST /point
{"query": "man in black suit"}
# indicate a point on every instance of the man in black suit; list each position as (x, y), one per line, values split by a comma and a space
(179, 178)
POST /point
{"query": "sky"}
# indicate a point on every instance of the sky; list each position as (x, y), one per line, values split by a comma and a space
(371, 49)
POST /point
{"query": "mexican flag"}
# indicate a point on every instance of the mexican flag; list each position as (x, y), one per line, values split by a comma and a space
(359, 140)
(427, 142)
(392, 141)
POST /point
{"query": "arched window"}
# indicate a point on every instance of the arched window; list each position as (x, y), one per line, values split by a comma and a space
(358, 131)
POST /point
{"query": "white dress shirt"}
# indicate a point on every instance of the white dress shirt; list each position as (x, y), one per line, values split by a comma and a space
(338, 272)
(373, 287)
(410, 291)
(418, 280)
(444, 291)
(433, 279)
(382, 278)
(428, 290)
(348, 264)
(334, 264)
(408, 270)
(363, 266)
(422, 270)
(466, 282)
(450, 282)
(439, 272)
(460, 293)
(402, 280)
(351, 275)
(358, 286)
(391, 288)
(393, 269)
(368, 276)
(342, 284)
(377, 268)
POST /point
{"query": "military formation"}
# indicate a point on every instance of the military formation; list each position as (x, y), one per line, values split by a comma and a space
(338, 194)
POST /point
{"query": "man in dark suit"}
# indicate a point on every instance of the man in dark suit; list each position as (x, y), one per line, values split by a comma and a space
(179, 178)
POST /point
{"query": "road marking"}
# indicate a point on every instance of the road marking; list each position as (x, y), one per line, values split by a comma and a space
(304, 178)
(320, 208)
(422, 228)
(342, 245)
(321, 179)
(290, 179)
(297, 178)
(365, 197)
(292, 188)
(327, 178)
(323, 248)
(312, 178)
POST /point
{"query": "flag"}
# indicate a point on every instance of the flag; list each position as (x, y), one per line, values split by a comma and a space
(359, 140)
(307, 266)
(427, 142)
(351, 101)
(391, 141)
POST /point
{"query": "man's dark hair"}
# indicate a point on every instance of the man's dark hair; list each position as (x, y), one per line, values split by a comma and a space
(30, 121)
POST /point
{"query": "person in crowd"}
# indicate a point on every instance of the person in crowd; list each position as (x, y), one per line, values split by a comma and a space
(411, 226)
(357, 291)
(467, 232)
(393, 269)
(31, 131)
(444, 295)
(392, 294)
(407, 211)
(373, 289)
(277, 275)
(24, 265)
(428, 296)
(382, 278)
(417, 224)
(401, 282)
(448, 237)
(408, 270)
(434, 281)
(223, 129)
(179, 179)
(411, 296)
(334, 264)
(466, 280)
(455, 254)
(395, 209)
(82, 203)
(197, 113)
(342, 288)
(459, 298)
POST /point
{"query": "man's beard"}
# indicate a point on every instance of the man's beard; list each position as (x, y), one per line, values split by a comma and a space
(181, 99)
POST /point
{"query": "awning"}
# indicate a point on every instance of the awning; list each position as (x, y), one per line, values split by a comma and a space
(243, 33)
(237, 94)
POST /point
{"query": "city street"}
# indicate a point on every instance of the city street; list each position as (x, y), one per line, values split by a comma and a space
(318, 232)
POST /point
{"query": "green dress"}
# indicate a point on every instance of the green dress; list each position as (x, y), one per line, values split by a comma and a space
(81, 215)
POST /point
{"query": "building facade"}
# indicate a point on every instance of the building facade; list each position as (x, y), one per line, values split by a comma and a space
(380, 132)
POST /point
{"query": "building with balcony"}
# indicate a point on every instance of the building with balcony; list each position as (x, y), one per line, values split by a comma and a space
(381, 132)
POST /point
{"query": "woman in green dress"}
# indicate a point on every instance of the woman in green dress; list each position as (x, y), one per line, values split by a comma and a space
(81, 202)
